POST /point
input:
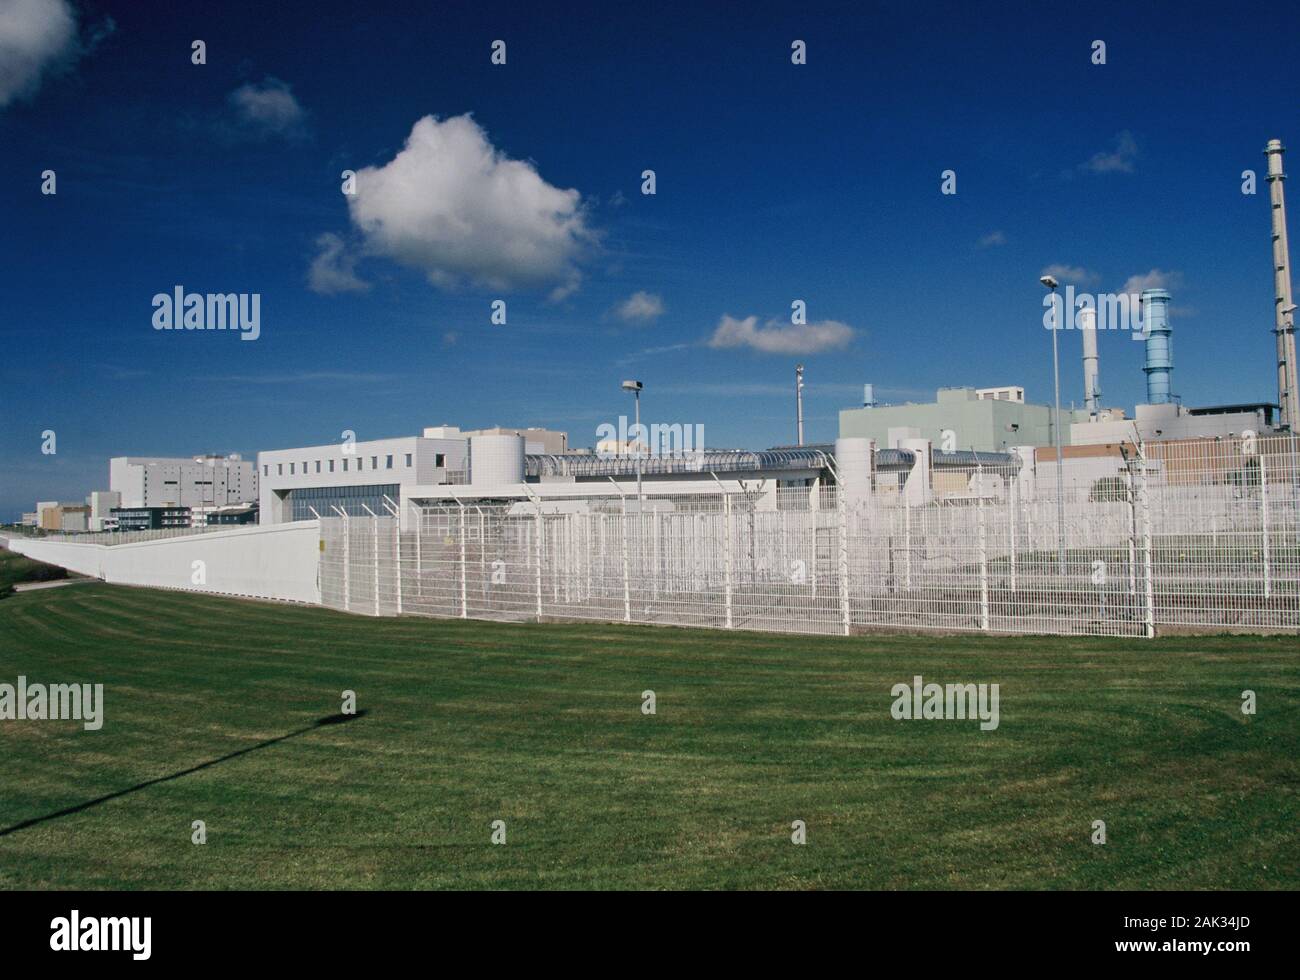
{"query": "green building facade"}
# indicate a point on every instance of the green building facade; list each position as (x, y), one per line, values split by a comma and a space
(986, 420)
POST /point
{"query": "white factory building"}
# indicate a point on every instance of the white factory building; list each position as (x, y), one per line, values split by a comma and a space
(373, 477)
(198, 482)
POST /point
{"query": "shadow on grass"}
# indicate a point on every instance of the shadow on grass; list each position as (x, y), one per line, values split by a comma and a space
(318, 723)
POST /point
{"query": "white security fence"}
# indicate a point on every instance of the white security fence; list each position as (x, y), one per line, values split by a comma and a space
(1206, 536)
(120, 537)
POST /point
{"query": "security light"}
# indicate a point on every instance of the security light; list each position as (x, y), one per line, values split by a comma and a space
(1049, 281)
(632, 386)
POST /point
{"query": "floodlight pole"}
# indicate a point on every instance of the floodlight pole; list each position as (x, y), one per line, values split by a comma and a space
(640, 497)
(1056, 439)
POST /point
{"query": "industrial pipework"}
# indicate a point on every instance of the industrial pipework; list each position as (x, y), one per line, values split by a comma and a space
(1159, 365)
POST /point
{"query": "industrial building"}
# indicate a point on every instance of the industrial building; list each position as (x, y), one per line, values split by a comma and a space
(235, 514)
(51, 515)
(101, 504)
(980, 419)
(961, 514)
(375, 477)
(151, 518)
(206, 480)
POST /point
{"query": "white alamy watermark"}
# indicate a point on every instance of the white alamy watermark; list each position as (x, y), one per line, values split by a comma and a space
(656, 440)
(945, 702)
(1114, 311)
(179, 310)
(133, 934)
(53, 702)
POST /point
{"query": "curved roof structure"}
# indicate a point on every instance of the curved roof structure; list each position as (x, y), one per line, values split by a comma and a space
(720, 461)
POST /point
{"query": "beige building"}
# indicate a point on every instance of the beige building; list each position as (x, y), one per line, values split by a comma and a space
(54, 516)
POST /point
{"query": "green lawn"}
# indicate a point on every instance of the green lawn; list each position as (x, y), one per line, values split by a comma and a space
(16, 568)
(540, 726)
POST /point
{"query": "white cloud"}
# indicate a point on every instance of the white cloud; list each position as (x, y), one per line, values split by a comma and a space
(37, 37)
(775, 337)
(991, 239)
(453, 206)
(1075, 274)
(268, 108)
(1119, 160)
(640, 307)
(1155, 279)
(333, 268)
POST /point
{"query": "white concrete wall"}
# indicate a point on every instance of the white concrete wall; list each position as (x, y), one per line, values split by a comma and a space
(276, 562)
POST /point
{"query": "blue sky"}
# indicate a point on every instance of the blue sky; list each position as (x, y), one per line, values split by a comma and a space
(775, 182)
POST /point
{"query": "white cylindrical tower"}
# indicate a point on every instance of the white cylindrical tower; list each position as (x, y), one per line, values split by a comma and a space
(495, 460)
(855, 460)
(1284, 310)
(1091, 362)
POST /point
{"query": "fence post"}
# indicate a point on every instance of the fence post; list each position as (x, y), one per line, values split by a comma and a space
(347, 565)
(464, 589)
(726, 565)
(1149, 612)
(983, 549)
(1013, 507)
(419, 554)
(627, 581)
(1030, 536)
(907, 542)
(586, 553)
(842, 507)
(654, 581)
(397, 550)
(1263, 522)
(541, 551)
(1132, 533)
(374, 547)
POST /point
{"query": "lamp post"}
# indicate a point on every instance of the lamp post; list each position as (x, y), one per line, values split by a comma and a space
(635, 387)
(1051, 283)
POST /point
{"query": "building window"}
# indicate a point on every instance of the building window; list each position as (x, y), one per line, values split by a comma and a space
(318, 466)
(440, 459)
(266, 469)
(374, 462)
(331, 466)
(389, 463)
(279, 469)
(345, 466)
(408, 459)
(291, 469)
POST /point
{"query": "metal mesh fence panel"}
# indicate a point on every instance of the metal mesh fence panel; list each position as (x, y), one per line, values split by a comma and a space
(1201, 535)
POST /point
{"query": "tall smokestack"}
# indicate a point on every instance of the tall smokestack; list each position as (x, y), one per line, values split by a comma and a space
(1283, 309)
(1091, 375)
(798, 401)
(1159, 365)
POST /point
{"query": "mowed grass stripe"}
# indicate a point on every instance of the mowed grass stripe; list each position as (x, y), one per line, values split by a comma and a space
(541, 726)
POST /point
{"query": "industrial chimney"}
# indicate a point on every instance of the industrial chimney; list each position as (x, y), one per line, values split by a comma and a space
(1091, 377)
(1283, 308)
(798, 402)
(1160, 353)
